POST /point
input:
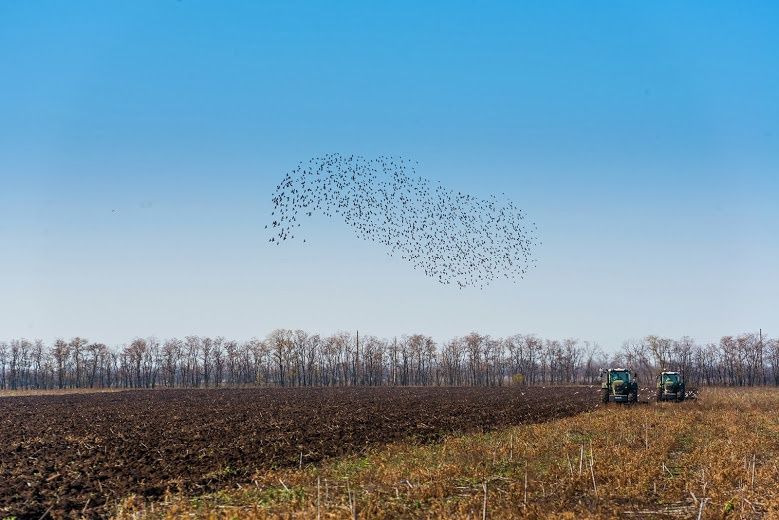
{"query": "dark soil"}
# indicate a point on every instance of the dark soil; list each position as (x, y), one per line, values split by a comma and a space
(79, 455)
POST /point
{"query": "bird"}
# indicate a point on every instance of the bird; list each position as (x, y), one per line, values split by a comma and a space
(450, 236)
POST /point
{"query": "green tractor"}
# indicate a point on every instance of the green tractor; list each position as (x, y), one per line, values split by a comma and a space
(670, 387)
(619, 385)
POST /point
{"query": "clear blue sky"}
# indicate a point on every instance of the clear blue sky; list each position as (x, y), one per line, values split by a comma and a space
(140, 142)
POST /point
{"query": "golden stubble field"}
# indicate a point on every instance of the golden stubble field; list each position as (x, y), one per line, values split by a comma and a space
(716, 457)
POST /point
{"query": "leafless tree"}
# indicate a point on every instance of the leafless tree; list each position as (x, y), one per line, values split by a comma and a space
(298, 358)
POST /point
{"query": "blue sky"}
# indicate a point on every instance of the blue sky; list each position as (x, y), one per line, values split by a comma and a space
(140, 143)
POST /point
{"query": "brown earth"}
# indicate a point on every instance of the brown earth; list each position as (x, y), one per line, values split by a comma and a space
(59, 391)
(79, 455)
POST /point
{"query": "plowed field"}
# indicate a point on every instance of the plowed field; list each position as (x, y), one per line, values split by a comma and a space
(74, 455)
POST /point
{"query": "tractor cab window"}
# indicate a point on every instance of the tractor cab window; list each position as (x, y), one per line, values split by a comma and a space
(620, 376)
(671, 378)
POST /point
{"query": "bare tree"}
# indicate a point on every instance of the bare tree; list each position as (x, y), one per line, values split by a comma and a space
(298, 358)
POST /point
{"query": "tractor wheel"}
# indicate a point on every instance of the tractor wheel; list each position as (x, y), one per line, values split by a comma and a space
(680, 395)
(604, 396)
(659, 395)
(633, 397)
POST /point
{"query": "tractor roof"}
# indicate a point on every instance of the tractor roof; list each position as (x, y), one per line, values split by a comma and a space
(670, 373)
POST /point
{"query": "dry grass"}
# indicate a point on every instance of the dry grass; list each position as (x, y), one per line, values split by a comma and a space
(714, 458)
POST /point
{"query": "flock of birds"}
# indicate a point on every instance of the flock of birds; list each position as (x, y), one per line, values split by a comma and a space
(453, 237)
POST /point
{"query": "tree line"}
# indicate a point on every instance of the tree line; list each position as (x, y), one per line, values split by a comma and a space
(297, 358)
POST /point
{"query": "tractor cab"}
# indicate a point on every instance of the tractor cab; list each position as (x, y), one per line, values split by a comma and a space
(619, 374)
(670, 377)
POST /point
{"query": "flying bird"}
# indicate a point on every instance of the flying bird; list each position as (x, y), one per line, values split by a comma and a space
(453, 237)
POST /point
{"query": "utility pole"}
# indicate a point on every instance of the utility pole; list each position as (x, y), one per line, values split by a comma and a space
(394, 361)
(357, 360)
(762, 367)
